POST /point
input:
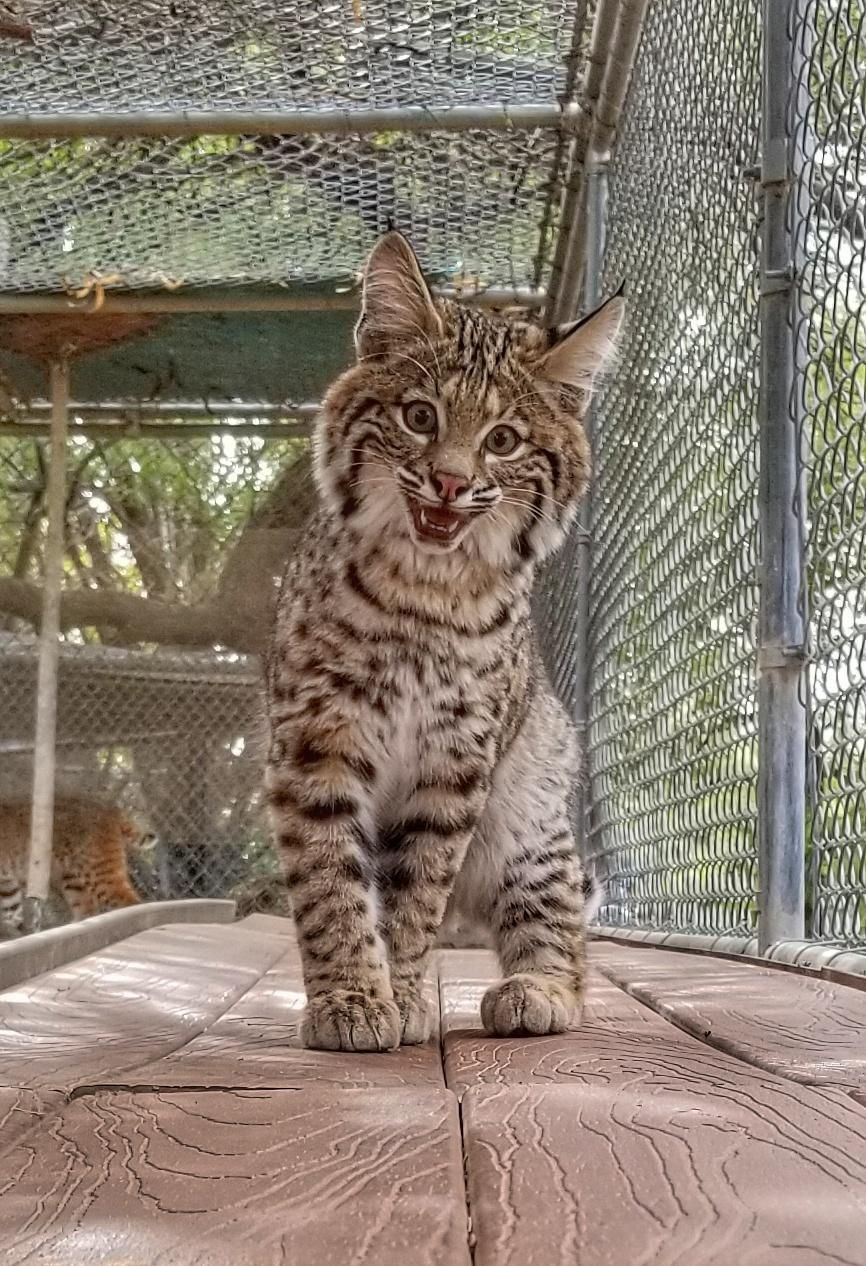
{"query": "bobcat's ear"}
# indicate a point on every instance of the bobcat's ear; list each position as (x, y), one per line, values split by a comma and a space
(397, 305)
(582, 349)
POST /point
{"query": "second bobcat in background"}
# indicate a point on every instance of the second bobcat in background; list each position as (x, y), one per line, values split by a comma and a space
(89, 865)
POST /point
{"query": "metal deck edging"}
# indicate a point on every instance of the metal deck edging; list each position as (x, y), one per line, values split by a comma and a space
(44, 951)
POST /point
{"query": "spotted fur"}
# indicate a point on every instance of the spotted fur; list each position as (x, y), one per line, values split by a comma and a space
(417, 750)
(89, 858)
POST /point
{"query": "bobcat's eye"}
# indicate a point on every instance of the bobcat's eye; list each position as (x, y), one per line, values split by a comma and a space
(420, 417)
(501, 441)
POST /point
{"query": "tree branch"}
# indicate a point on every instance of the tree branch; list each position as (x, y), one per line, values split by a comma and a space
(237, 617)
(132, 619)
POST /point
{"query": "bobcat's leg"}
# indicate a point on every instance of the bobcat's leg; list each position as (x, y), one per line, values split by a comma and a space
(319, 791)
(419, 857)
(534, 898)
(538, 928)
(112, 887)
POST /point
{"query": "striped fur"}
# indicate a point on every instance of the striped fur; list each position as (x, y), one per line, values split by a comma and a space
(417, 750)
(89, 858)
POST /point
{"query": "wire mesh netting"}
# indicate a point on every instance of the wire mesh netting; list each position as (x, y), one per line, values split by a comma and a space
(673, 726)
(257, 209)
(170, 556)
(829, 215)
(253, 54)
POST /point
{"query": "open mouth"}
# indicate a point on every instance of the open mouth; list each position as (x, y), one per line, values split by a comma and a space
(440, 524)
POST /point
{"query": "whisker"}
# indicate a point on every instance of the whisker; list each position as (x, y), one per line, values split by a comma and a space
(368, 483)
(536, 511)
(413, 361)
(527, 395)
(545, 496)
(380, 465)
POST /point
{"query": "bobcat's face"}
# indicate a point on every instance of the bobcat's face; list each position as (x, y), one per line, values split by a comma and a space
(458, 432)
(137, 838)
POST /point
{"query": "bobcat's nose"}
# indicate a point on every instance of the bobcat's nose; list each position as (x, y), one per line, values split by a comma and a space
(448, 486)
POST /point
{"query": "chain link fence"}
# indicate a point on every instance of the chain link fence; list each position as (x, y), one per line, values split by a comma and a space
(673, 822)
(829, 223)
(270, 209)
(265, 206)
(255, 55)
(672, 637)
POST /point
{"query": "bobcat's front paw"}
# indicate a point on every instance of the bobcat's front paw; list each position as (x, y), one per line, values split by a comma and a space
(529, 1004)
(346, 1020)
(416, 1018)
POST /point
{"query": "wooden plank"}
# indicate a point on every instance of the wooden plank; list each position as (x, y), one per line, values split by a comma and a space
(616, 1039)
(361, 1178)
(803, 1027)
(126, 1005)
(673, 1172)
(256, 1045)
(22, 1111)
(652, 1148)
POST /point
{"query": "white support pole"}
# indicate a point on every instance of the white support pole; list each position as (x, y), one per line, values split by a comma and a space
(42, 818)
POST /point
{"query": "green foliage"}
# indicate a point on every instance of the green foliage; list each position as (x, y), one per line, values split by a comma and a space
(147, 517)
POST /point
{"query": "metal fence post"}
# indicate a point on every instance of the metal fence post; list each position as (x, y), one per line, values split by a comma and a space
(782, 627)
(596, 209)
(44, 762)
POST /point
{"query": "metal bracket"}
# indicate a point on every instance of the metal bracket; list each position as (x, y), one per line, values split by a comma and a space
(778, 280)
(774, 657)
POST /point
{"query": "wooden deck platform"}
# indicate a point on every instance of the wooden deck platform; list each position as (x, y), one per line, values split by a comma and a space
(157, 1110)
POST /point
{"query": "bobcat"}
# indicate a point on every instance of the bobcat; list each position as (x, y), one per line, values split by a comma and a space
(416, 745)
(89, 858)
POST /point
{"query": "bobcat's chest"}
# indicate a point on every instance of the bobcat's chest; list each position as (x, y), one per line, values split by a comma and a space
(425, 723)
(404, 737)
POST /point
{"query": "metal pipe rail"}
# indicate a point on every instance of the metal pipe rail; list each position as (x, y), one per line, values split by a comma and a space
(605, 108)
(782, 624)
(500, 117)
(208, 299)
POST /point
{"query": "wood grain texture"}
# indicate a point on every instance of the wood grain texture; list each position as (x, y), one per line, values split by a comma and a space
(619, 1040)
(23, 1111)
(126, 1005)
(803, 1027)
(676, 1174)
(255, 1044)
(361, 1178)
